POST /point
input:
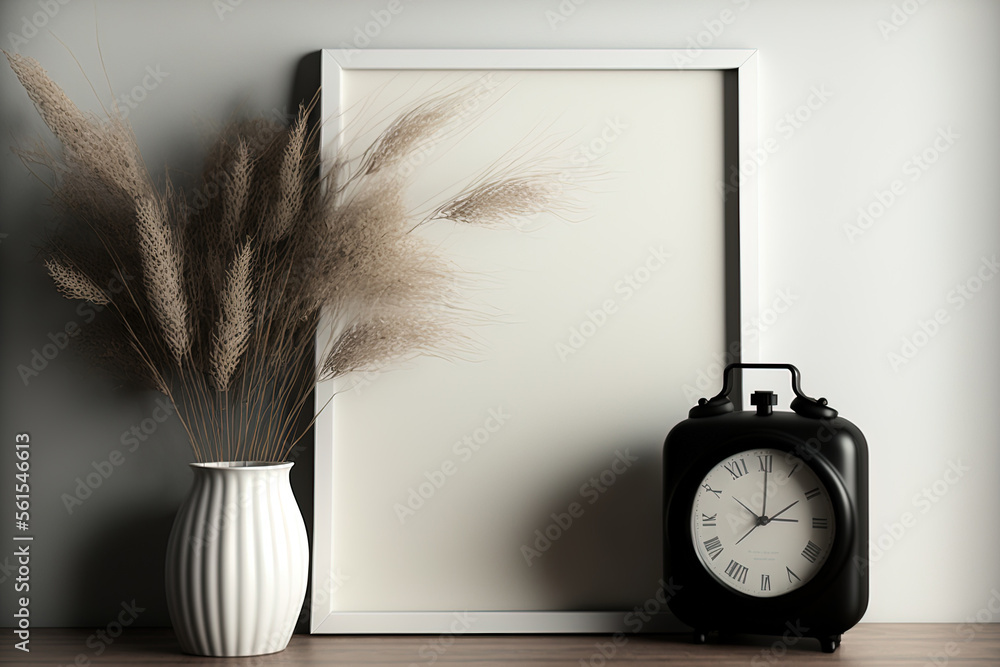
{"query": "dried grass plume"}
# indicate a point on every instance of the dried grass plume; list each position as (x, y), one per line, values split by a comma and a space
(221, 287)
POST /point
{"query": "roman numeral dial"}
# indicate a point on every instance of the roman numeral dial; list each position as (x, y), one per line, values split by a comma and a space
(811, 551)
(737, 468)
(714, 547)
(762, 522)
(737, 572)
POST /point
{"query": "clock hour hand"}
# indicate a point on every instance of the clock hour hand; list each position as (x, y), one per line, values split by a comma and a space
(783, 511)
(789, 520)
(747, 509)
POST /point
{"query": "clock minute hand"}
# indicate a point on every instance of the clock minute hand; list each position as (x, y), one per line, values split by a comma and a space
(783, 511)
(763, 509)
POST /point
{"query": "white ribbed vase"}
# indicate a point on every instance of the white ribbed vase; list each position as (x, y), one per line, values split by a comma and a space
(237, 561)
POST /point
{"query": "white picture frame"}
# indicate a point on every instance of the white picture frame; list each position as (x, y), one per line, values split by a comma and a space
(329, 613)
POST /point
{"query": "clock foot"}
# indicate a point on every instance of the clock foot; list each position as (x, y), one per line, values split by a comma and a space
(699, 637)
(829, 643)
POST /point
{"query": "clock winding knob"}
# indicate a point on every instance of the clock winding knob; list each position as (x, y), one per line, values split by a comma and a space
(764, 400)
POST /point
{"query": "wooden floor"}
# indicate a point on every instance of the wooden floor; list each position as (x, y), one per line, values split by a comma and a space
(867, 644)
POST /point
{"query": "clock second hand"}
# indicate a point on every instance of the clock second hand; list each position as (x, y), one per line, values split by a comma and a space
(748, 532)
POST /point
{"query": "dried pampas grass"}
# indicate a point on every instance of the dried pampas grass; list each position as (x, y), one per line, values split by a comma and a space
(163, 277)
(73, 284)
(235, 324)
(498, 201)
(220, 288)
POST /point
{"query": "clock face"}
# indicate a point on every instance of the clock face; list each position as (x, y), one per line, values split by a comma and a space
(762, 522)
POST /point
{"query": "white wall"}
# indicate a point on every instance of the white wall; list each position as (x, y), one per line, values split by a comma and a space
(880, 99)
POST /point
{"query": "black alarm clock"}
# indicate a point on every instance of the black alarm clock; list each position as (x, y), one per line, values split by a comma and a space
(766, 517)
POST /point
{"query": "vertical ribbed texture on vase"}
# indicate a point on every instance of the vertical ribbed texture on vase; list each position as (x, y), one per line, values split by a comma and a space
(237, 561)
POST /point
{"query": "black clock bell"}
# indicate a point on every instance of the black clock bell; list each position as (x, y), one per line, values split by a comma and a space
(766, 517)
